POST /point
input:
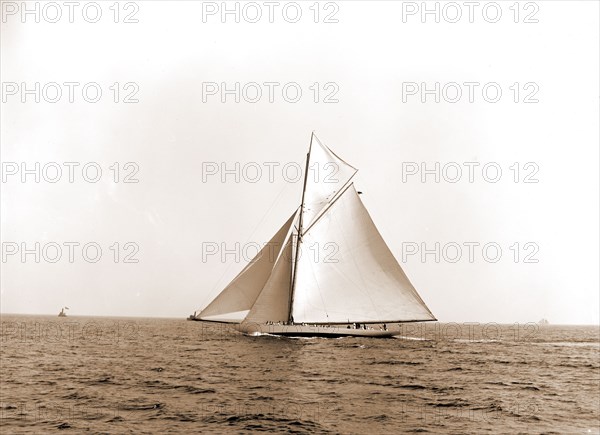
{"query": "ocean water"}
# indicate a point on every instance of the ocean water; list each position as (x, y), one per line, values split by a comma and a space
(119, 375)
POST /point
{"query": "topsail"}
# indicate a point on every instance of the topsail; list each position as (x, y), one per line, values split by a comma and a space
(326, 177)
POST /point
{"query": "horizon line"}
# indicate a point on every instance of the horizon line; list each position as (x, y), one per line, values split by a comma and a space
(185, 317)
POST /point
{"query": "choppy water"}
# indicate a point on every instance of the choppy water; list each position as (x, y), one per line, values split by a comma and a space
(117, 375)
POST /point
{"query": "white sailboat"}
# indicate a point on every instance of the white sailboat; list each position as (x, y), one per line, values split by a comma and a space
(287, 290)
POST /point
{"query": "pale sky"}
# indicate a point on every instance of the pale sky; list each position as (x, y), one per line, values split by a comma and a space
(372, 62)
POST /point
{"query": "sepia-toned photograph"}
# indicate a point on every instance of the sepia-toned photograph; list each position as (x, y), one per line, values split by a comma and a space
(306, 217)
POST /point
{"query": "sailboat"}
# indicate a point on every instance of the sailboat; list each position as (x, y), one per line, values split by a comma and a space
(62, 312)
(353, 286)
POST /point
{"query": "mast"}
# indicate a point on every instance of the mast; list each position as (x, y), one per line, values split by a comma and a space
(290, 318)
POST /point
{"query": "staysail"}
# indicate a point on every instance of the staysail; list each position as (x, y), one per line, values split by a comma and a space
(347, 273)
(273, 303)
(234, 302)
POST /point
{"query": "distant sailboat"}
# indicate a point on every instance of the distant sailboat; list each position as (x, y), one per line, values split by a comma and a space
(62, 312)
(287, 290)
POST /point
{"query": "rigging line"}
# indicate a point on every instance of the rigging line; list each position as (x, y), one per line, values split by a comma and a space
(300, 233)
(218, 284)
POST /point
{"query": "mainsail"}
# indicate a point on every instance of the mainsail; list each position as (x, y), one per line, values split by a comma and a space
(346, 272)
(327, 264)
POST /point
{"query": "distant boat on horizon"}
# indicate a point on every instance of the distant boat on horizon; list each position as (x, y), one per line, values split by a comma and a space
(352, 286)
(543, 322)
(62, 312)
